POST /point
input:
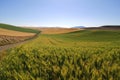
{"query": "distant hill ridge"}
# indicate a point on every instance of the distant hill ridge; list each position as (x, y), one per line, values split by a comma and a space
(79, 27)
(106, 27)
(15, 28)
(111, 26)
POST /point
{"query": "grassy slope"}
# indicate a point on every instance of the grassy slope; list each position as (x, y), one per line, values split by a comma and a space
(11, 27)
(85, 38)
(85, 55)
(91, 35)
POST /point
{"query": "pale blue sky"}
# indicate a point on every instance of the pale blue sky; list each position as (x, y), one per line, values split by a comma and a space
(66, 13)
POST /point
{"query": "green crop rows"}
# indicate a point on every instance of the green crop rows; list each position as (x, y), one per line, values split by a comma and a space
(81, 55)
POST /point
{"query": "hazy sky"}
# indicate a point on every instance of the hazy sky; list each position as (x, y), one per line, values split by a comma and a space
(66, 13)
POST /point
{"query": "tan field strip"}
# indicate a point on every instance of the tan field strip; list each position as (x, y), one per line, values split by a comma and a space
(14, 33)
(56, 30)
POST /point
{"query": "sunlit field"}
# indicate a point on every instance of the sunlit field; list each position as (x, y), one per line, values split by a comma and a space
(10, 34)
(79, 55)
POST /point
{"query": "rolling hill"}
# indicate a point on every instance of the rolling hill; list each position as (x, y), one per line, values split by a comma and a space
(111, 27)
(8, 32)
(93, 35)
(55, 30)
(85, 55)
(105, 27)
(15, 28)
(11, 34)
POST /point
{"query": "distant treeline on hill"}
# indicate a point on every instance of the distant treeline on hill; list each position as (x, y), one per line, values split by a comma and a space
(106, 27)
(111, 26)
(15, 28)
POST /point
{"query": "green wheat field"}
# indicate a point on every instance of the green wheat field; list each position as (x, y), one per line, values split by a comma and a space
(79, 55)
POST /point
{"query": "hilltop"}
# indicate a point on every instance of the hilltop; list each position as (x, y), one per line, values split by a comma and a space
(51, 30)
(105, 27)
(79, 27)
(114, 27)
(15, 28)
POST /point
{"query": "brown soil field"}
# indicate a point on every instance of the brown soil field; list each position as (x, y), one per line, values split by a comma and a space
(56, 30)
(5, 40)
(14, 33)
(10, 36)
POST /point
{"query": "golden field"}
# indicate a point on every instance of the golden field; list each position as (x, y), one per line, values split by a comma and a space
(14, 33)
(56, 30)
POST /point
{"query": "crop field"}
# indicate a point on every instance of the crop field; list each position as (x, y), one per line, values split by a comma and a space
(12, 34)
(55, 30)
(11, 27)
(79, 55)
(5, 40)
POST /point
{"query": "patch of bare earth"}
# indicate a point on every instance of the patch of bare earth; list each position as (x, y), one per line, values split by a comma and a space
(9, 39)
(4, 40)
(10, 36)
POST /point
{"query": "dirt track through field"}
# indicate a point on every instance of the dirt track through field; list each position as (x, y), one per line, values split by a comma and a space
(5, 47)
(44, 31)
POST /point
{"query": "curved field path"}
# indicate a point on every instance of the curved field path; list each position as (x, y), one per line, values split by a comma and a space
(43, 31)
(5, 47)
